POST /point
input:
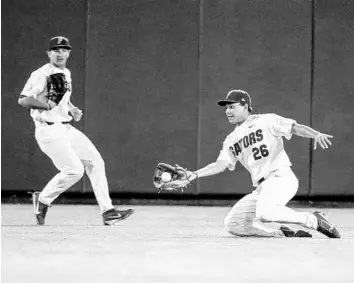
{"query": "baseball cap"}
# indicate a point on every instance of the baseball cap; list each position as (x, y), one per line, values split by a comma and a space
(235, 96)
(59, 42)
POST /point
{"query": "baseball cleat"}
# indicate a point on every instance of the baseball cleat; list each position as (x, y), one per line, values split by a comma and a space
(325, 226)
(290, 232)
(40, 209)
(110, 217)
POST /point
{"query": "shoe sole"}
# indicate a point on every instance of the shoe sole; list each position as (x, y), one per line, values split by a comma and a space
(302, 234)
(112, 222)
(290, 233)
(334, 233)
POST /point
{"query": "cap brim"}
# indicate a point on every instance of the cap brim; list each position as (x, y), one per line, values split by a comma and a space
(60, 46)
(226, 102)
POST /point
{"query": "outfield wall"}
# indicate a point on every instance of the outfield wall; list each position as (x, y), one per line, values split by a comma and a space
(148, 74)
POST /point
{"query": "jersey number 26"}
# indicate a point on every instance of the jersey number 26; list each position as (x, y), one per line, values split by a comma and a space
(260, 152)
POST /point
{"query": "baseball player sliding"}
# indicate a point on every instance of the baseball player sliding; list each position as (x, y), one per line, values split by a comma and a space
(257, 143)
(47, 93)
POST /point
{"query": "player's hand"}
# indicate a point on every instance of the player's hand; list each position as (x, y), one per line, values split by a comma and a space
(191, 176)
(37, 116)
(76, 113)
(51, 104)
(322, 140)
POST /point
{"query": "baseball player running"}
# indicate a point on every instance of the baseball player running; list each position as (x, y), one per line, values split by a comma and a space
(47, 93)
(257, 143)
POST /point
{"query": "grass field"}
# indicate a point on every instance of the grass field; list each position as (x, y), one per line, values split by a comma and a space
(164, 244)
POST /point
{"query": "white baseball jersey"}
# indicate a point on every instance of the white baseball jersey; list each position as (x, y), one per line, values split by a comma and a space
(258, 145)
(36, 87)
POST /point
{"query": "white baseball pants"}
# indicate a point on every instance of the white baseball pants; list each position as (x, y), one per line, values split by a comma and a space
(72, 154)
(267, 204)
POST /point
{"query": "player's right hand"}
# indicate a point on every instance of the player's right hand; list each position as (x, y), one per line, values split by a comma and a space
(322, 140)
(51, 104)
(38, 117)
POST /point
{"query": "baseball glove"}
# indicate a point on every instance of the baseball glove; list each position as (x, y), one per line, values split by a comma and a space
(178, 179)
(57, 86)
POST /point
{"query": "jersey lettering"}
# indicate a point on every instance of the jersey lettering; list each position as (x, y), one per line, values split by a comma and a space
(232, 151)
(259, 153)
(245, 142)
(252, 139)
(259, 135)
(238, 149)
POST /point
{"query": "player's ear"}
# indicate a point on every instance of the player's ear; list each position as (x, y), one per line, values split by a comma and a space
(249, 109)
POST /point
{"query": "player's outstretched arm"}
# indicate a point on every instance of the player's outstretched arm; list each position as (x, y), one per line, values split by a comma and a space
(32, 103)
(307, 132)
(209, 170)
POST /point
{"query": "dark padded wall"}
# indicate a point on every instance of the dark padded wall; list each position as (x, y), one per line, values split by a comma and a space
(263, 47)
(26, 29)
(142, 87)
(148, 75)
(333, 103)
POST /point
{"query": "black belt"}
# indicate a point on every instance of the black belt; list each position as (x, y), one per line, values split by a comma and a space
(260, 181)
(51, 123)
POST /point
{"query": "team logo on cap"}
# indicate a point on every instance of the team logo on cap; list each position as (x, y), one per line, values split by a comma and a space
(61, 39)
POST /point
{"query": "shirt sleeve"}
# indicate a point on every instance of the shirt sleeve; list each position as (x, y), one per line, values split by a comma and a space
(35, 84)
(226, 154)
(281, 127)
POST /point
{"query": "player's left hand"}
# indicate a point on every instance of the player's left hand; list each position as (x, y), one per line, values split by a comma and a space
(322, 140)
(177, 182)
(76, 113)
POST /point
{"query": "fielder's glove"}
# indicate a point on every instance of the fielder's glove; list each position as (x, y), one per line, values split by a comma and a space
(57, 86)
(179, 179)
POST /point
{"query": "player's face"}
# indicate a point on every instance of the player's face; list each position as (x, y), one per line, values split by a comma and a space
(236, 113)
(59, 56)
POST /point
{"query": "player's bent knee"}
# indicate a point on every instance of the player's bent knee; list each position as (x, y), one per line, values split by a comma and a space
(234, 227)
(236, 230)
(100, 162)
(264, 215)
(97, 162)
(77, 172)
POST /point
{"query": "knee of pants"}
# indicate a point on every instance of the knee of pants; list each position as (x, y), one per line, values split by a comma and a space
(264, 213)
(235, 227)
(98, 162)
(77, 172)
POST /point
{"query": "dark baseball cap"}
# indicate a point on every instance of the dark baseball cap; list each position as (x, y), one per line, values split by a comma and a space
(59, 42)
(235, 96)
